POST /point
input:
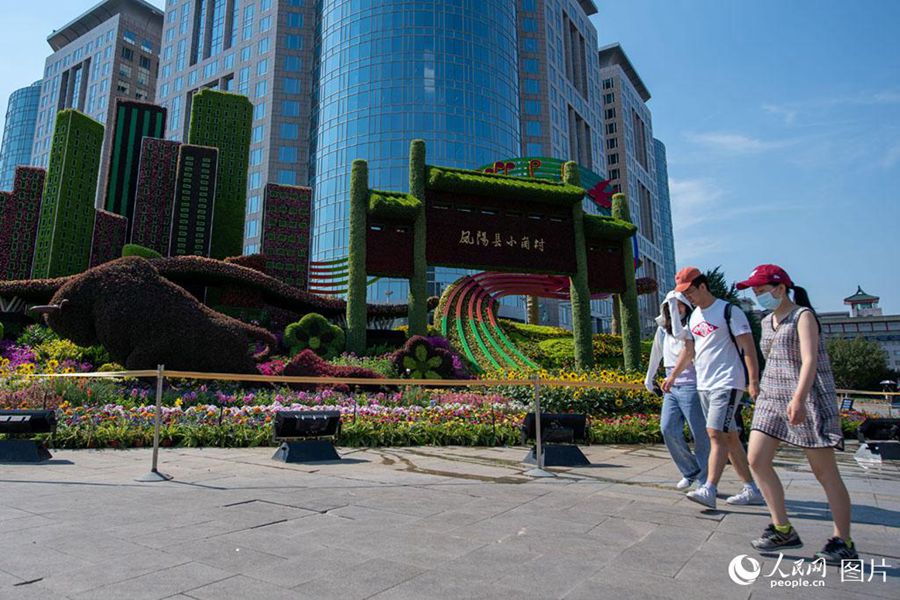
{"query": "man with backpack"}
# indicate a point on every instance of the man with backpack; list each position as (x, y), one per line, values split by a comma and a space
(719, 342)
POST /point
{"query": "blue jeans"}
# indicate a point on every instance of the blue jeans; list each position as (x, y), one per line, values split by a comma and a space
(680, 405)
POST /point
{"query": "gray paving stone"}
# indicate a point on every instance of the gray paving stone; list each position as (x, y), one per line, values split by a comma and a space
(158, 584)
(405, 523)
(241, 587)
(73, 579)
(359, 581)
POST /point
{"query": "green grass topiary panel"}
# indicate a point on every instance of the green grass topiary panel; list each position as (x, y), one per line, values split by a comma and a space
(142, 251)
(597, 227)
(502, 186)
(66, 224)
(222, 120)
(393, 206)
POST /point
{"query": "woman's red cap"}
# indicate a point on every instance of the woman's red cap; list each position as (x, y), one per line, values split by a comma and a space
(766, 275)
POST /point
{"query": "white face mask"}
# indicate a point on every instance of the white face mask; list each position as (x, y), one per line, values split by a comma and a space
(768, 301)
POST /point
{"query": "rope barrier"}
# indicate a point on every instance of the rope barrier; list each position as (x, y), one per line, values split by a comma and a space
(340, 380)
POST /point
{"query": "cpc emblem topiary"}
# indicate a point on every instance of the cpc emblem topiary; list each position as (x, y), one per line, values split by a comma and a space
(314, 332)
(419, 359)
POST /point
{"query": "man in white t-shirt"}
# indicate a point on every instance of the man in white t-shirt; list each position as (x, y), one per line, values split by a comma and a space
(720, 343)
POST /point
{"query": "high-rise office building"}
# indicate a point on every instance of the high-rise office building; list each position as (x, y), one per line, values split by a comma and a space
(559, 82)
(66, 225)
(262, 49)
(631, 166)
(440, 71)
(133, 122)
(667, 243)
(18, 132)
(561, 112)
(109, 51)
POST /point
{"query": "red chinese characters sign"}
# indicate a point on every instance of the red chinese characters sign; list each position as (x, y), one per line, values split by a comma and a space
(498, 234)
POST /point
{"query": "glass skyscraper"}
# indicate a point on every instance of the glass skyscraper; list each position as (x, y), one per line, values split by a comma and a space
(18, 132)
(441, 70)
(665, 214)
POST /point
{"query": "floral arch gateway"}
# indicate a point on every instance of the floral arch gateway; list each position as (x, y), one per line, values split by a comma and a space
(493, 222)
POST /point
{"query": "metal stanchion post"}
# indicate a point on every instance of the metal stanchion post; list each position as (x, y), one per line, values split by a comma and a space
(538, 448)
(154, 474)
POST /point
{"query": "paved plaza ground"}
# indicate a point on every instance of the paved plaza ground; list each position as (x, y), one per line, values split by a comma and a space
(412, 523)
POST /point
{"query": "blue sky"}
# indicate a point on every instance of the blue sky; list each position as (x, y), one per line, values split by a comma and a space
(781, 120)
(782, 125)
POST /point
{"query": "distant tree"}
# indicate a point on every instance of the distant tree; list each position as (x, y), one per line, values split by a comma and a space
(858, 364)
(719, 288)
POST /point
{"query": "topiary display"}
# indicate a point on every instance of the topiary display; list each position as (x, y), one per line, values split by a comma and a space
(239, 297)
(196, 270)
(143, 321)
(418, 283)
(579, 290)
(356, 284)
(223, 120)
(420, 359)
(66, 223)
(629, 318)
(314, 332)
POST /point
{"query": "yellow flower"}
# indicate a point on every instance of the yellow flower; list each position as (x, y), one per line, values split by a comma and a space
(178, 403)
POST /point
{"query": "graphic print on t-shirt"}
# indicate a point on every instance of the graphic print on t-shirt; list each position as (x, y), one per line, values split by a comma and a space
(704, 329)
(717, 361)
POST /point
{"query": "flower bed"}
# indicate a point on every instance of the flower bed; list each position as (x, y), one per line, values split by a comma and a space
(105, 413)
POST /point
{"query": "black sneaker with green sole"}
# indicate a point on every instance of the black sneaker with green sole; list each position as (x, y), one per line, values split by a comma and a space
(773, 540)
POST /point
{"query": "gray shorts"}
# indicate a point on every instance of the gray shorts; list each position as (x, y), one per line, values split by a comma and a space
(719, 407)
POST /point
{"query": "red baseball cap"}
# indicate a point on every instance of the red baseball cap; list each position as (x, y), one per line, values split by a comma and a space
(766, 275)
(686, 277)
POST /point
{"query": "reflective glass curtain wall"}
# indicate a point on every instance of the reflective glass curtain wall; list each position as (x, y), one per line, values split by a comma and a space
(18, 132)
(440, 70)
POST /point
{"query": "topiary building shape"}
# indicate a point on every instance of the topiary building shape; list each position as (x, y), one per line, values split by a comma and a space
(285, 233)
(109, 237)
(134, 121)
(154, 194)
(193, 211)
(223, 121)
(19, 213)
(66, 224)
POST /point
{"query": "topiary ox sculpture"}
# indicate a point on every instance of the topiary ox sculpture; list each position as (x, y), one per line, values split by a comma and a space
(144, 320)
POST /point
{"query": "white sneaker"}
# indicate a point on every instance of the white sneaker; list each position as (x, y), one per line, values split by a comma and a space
(684, 484)
(748, 495)
(703, 495)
